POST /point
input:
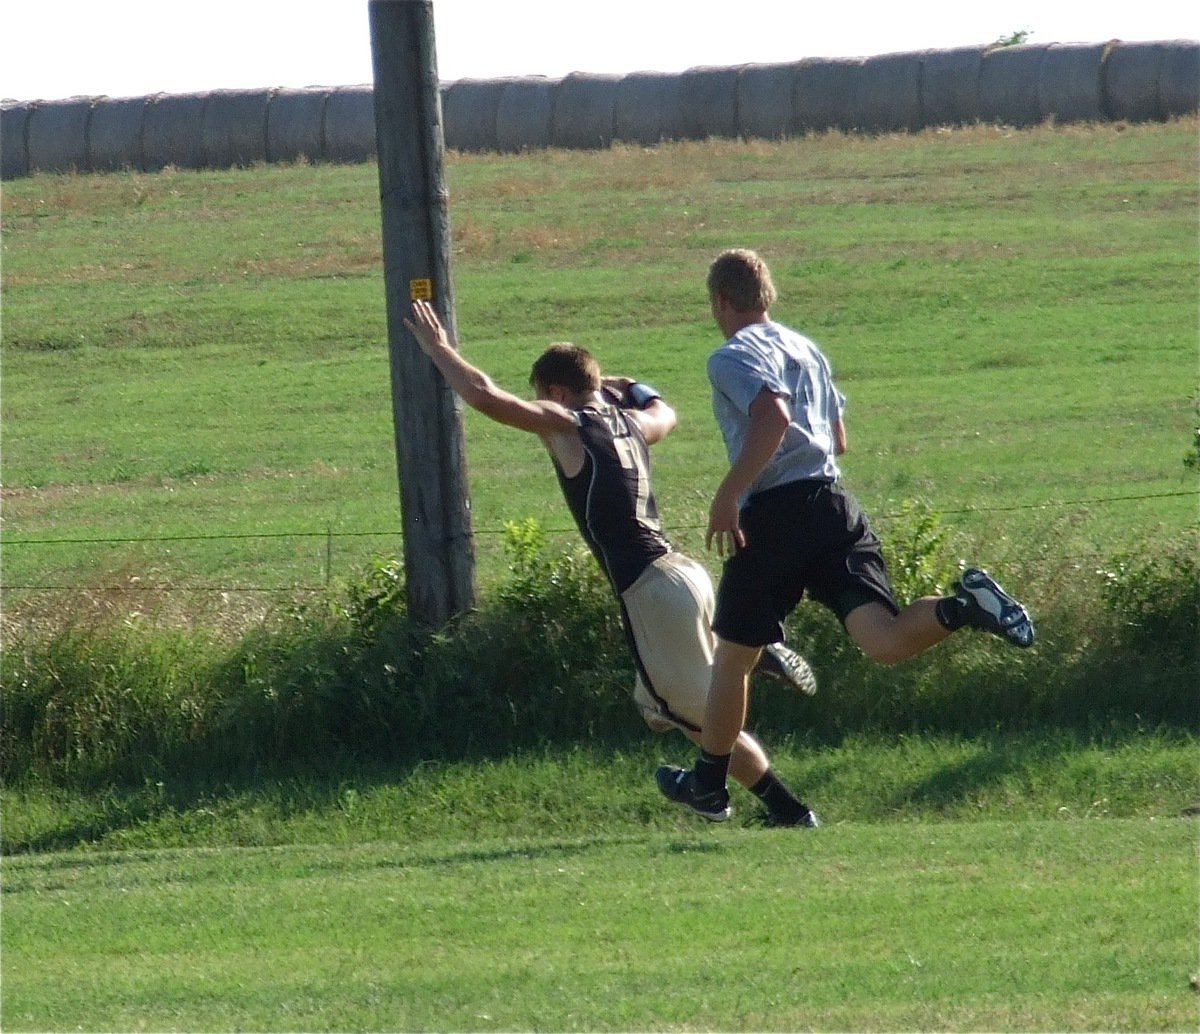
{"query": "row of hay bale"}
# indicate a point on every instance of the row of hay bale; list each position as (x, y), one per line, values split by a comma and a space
(220, 129)
(1020, 86)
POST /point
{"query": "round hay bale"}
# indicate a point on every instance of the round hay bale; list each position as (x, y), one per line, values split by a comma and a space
(469, 113)
(173, 131)
(887, 95)
(296, 125)
(57, 135)
(708, 102)
(1179, 79)
(583, 111)
(14, 143)
(646, 108)
(1130, 81)
(524, 114)
(349, 134)
(235, 128)
(115, 134)
(764, 101)
(950, 86)
(824, 93)
(1069, 82)
(1008, 85)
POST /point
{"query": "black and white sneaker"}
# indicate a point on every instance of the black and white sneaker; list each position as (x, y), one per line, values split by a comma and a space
(679, 785)
(784, 665)
(990, 608)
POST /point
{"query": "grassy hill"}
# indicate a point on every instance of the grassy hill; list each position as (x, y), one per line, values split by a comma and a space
(195, 364)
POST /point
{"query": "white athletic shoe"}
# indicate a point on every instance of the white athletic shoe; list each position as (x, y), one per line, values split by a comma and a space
(784, 665)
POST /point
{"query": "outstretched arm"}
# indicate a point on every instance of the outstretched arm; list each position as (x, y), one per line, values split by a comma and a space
(475, 387)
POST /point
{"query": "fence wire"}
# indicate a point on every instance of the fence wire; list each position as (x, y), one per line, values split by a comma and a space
(329, 535)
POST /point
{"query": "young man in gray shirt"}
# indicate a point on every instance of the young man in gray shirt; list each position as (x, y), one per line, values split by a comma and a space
(785, 527)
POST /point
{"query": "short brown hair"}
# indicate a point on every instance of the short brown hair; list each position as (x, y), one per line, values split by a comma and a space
(568, 366)
(742, 279)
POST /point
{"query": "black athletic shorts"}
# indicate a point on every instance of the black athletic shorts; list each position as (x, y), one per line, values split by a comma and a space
(805, 536)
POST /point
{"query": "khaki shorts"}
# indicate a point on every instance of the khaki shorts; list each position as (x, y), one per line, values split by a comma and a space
(670, 609)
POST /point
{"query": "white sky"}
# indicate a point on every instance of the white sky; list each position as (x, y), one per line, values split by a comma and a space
(61, 48)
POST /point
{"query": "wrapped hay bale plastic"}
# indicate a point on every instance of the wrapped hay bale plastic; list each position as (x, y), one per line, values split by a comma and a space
(764, 101)
(887, 95)
(950, 86)
(583, 111)
(349, 133)
(235, 128)
(708, 103)
(647, 108)
(1008, 85)
(115, 133)
(57, 135)
(296, 124)
(1070, 82)
(469, 108)
(173, 131)
(525, 113)
(14, 146)
(824, 97)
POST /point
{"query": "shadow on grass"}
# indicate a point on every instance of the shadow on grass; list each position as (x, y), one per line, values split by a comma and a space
(98, 812)
(872, 778)
(117, 809)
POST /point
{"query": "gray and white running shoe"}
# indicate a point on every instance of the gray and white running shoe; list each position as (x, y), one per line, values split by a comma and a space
(991, 609)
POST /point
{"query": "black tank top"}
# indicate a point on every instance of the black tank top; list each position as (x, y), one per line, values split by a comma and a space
(610, 498)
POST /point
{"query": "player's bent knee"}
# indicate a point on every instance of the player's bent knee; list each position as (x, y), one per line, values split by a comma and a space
(873, 627)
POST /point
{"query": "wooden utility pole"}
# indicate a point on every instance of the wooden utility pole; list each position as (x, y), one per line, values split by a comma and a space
(439, 541)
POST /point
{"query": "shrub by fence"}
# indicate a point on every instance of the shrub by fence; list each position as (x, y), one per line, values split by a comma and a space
(1019, 85)
(545, 661)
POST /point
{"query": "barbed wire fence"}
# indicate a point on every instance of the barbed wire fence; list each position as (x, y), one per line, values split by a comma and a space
(329, 536)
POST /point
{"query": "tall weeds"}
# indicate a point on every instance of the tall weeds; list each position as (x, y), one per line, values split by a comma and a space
(546, 662)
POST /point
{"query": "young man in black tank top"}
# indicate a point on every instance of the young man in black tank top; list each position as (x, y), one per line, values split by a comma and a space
(598, 432)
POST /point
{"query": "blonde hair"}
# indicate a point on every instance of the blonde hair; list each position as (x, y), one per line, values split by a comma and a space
(742, 278)
(568, 366)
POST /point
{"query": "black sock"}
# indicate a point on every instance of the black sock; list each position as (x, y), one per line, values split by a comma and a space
(951, 613)
(711, 771)
(780, 801)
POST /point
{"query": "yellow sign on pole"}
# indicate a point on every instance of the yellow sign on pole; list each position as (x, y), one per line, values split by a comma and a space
(420, 290)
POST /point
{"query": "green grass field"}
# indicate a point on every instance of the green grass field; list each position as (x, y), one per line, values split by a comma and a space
(1007, 884)
(197, 430)
(1022, 926)
(1012, 316)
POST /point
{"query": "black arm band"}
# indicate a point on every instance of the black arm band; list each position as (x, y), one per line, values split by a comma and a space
(641, 395)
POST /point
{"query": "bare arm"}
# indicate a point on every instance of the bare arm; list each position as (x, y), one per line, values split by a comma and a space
(656, 421)
(839, 437)
(476, 388)
(769, 419)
